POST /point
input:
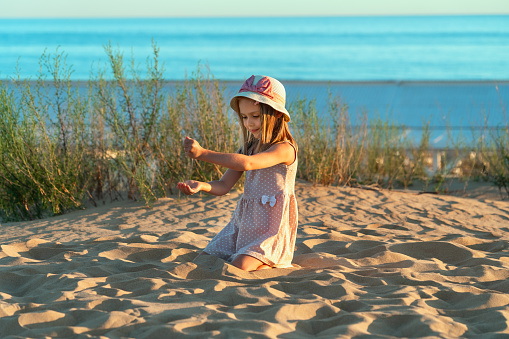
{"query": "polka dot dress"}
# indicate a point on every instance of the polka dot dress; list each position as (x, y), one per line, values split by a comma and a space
(264, 223)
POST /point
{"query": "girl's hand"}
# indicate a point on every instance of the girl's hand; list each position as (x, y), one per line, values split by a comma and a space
(189, 187)
(192, 148)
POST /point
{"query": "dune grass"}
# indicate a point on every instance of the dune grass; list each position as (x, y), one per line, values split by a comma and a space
(43, 145)
(61, 149)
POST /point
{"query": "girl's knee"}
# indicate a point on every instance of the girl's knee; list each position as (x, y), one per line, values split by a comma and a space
(248, 263)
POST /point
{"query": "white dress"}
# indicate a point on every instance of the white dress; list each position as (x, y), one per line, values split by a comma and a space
(264, 223)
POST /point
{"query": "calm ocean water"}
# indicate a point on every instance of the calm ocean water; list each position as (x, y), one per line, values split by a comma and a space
(448, 70)
(336, 48)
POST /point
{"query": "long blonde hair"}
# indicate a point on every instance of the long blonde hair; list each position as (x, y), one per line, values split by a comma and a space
(273, 131)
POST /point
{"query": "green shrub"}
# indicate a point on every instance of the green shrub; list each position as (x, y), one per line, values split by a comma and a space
(43, 156)
(495, 153)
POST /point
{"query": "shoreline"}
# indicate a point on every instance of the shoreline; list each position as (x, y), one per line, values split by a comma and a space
(445, 105)
(504, 82)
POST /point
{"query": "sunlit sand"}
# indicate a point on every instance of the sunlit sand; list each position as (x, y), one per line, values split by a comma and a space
(367, 262)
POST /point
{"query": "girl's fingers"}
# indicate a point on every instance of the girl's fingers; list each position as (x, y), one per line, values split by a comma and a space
(185, 188)
(189, 144)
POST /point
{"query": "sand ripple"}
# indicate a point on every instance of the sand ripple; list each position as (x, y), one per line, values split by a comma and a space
(367, 263)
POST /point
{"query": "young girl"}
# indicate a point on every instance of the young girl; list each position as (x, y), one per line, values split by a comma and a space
(262, 231)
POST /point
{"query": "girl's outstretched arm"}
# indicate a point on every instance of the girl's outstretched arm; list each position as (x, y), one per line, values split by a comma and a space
(217, 187)
(281, 153)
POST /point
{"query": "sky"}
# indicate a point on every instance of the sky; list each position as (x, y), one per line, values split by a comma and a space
(229, 8)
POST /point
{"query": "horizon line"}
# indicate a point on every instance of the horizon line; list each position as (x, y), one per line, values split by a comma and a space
(256, 16)
(398, 82)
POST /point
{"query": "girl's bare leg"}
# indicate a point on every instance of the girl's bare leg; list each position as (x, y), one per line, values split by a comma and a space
(248, 263)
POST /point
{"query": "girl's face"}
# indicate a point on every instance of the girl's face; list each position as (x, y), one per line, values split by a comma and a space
(250, 114)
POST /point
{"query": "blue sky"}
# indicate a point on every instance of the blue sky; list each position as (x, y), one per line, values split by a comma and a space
(228, 8)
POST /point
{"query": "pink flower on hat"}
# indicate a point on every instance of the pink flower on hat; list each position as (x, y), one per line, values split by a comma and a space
(263, 86)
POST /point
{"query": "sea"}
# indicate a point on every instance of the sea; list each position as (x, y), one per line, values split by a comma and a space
(446, 70)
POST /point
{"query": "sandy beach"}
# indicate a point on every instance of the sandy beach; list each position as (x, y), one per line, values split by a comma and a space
(367, 263)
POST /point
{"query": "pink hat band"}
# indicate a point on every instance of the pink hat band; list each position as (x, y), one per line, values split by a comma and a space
(263, 89)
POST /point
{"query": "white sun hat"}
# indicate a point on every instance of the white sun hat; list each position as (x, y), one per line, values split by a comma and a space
(263, 89)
